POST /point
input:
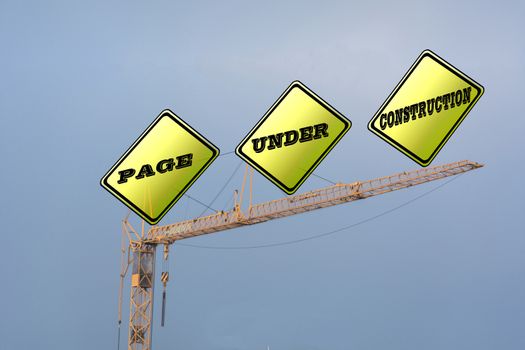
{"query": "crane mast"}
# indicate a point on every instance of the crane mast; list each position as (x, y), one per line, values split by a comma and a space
(142, 247)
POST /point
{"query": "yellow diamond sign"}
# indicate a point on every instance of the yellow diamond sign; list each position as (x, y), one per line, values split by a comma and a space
(425, 108)
(293, 137)
(159, 167)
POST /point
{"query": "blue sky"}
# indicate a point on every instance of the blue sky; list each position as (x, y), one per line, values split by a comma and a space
(81, 80)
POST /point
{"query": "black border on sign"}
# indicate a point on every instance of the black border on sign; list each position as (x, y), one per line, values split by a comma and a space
(131, 205)
(451, 69)
(295, 84)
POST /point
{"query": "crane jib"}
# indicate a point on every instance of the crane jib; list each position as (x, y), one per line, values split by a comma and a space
(296, 204)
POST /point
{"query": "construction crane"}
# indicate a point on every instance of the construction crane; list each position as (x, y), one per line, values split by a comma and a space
(138, 250)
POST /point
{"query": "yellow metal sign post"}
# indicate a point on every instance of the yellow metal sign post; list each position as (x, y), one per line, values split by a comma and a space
(425, 108)
(159, 167)
(293, 137)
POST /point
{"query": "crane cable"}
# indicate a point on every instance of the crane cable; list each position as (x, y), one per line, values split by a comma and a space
(328, 233)
(164, 277)
(118, 337)
(222, 189)
(209, 206)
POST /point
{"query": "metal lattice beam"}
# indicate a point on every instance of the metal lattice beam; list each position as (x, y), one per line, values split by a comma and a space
(141, 298)
(296, 204)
